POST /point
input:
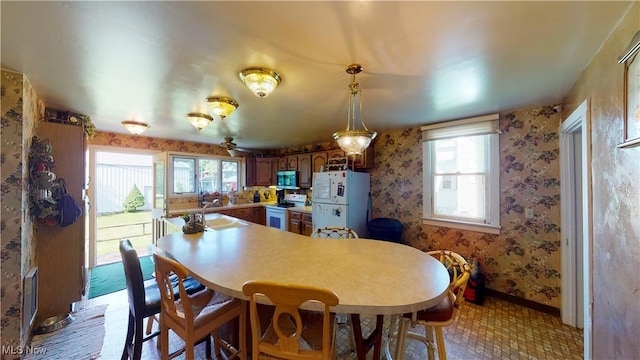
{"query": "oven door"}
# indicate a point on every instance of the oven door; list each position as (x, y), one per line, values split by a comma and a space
(276, 217)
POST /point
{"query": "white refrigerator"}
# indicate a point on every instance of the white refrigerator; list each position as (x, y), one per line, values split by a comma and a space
(341, 198)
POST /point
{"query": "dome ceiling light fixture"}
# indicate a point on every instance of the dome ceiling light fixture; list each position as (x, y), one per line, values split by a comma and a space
(356, 138)
(199, 120)
(135, 127)
(260, 81)
(222, 106)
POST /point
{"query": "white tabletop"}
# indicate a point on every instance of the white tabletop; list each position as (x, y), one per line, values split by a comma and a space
(369, 276)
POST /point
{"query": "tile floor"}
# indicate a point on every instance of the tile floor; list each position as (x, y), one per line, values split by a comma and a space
(495, 330)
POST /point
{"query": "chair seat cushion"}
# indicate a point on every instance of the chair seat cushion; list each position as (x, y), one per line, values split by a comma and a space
(152, 293)
(439, 313)
(207, 305)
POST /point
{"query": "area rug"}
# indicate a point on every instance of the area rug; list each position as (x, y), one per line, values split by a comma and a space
(82, 339)
(109, 278)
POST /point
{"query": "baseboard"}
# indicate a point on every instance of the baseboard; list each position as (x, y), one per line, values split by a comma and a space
(524, 302)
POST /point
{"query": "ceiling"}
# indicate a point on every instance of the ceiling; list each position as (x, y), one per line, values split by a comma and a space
(423, 62)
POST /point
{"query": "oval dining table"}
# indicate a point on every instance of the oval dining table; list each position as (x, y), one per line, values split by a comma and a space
(370, 277)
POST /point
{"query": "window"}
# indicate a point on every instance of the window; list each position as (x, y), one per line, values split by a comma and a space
(460, 169)
(192, 175)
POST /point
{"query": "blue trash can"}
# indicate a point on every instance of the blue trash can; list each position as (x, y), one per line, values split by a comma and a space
(385, 229)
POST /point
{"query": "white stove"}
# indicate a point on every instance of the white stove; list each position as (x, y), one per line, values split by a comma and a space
(277, 215)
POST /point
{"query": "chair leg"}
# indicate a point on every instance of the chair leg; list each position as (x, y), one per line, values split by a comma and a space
(137, 339)
(403, 325)
(242, 332)
(442, 353)
(216, 344)
(164, 341)
(208, 346)
(128, 345)
(430, 343)
(190, 346)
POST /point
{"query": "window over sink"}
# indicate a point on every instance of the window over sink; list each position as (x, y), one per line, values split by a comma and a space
(192, 175)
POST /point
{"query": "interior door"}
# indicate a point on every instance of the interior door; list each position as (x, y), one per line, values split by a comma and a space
(159, 202)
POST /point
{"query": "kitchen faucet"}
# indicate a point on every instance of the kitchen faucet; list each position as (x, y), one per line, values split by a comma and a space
(205, 207)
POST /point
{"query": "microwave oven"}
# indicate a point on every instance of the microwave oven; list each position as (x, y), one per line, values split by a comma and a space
(287, 179)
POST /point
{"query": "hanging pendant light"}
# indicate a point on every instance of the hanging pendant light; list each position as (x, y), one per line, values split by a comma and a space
(356, 138)
(222, 106)
(199, 120)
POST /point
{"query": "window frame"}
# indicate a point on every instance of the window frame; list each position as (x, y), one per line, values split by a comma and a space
(196, 184)
(483, 125)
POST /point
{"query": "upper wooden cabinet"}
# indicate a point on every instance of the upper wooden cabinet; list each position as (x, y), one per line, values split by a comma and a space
(283, 163)
(318, 159)
(304, 170)
(292, 162)
(263, 172)
(365, 161)
(338, 153)
(251, 171)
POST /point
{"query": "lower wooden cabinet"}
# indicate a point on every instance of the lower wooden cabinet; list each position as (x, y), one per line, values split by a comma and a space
(260, 215)
(300, 223)
(244, 214)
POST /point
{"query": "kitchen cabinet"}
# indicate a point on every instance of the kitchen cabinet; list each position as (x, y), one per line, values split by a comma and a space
(365, 161)
(61, 250)
(318, 160)
(244, 214)
(334, 154)
(304, 170)
(263, 172)
(275, 167)
(251, 171)
(292, 162)
(307, 224)
(283, 163)
(259, 215)
(300, 222)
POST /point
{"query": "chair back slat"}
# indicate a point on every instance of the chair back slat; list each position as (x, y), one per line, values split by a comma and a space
(334, 232)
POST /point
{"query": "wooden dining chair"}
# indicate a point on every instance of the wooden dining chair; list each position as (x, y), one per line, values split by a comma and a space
(144, 301)
(198, 316)
(334, 232)
(339, 232)
(439, 316)
(292, 333)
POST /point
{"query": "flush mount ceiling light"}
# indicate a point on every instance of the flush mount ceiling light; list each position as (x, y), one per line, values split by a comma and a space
(199, 120)
(260, 81)
(222, 106)
(356, 138)
(135, 127)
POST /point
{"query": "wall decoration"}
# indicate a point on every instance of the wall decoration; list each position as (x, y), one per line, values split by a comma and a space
(42, 182)
(631, 93)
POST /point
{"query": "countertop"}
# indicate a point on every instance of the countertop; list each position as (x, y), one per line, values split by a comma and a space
(213, 209)
(304, 209)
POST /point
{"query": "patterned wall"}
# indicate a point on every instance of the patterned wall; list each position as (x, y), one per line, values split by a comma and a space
(149, 143)
(21, 111)
(524, 260)
(615, 175)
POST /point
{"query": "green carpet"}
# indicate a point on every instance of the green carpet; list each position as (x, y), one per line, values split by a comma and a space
(109, 278)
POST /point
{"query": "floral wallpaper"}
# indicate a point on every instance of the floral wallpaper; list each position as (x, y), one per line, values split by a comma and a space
(21, 110)
(524, 260)
(142, 142)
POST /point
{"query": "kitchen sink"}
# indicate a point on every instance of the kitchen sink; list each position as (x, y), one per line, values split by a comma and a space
(224, 223)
